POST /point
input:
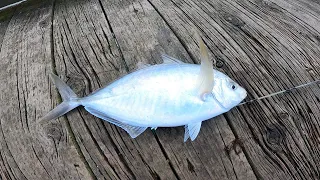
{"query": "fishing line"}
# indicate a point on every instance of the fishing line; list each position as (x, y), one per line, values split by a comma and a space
(281, 92)
(11, 5)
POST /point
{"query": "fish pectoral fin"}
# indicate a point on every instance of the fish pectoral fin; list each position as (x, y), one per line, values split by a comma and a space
(192, 130)
(133, 131)
(170, 60)
(205, 78)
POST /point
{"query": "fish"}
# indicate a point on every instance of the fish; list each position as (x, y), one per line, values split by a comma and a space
(170, 94)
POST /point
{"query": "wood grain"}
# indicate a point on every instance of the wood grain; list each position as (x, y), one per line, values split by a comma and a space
(266, 46)
(29, 151)
(96, 56)
(265, 56)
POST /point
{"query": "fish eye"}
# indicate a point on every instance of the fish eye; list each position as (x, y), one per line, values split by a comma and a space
(233, 86)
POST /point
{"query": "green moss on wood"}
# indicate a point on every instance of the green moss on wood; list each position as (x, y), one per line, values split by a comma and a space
(6, 14)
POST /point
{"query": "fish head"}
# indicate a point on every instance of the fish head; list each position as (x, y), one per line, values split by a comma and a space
(227, 92)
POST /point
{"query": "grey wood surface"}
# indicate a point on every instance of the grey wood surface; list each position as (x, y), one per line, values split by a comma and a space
(265, 45)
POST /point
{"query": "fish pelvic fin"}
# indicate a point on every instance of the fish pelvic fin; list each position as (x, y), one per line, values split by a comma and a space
(205, 79)
(191, 131)
(70, 100)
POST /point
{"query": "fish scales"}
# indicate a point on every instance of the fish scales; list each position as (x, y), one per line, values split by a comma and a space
(173, 103)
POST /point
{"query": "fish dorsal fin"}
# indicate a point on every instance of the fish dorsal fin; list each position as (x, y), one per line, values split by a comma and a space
(133, 131)
(205, 78)
(141, 65)
(170, 60)
(192, 130)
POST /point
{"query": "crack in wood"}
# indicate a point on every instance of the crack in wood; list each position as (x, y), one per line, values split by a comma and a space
(181, 41)
(114, 36)
(167, 158)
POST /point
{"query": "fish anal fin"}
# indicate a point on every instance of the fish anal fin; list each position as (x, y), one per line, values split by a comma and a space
(133, 131)
(186, 133)
(205, 79)
(192, 130)
(170, 60)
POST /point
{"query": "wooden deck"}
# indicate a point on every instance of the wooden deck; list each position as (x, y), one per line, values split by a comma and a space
(265, 45)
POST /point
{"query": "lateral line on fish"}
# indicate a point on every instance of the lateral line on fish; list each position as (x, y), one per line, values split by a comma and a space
(281, 92)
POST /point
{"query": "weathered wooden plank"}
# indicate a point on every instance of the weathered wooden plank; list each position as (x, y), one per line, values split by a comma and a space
(266, 46)
(90, 51)
(141, 36)
(27, 150)
(265, 56)
(127, 18)
(5, 17)
(74, 46)
(230, 156)
(291, 152)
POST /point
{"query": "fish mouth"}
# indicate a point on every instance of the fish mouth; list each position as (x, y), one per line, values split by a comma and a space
(243, 94)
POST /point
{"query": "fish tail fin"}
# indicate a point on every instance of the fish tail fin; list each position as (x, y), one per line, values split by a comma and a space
(70, 100)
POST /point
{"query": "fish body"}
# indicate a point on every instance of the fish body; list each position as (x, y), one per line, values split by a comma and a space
(157, 96)
(164, 95)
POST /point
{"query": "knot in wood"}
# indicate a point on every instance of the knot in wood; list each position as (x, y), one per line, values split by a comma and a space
(275, 136)
(77, 84)
(270, 6)
(190, 166)
(284, 116)
(236, 21)
(54, 131)
(317, 37)
(45, 23)
(235, 145)
(219, 62)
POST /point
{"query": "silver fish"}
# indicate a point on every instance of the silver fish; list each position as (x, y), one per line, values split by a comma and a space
(163, 95)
